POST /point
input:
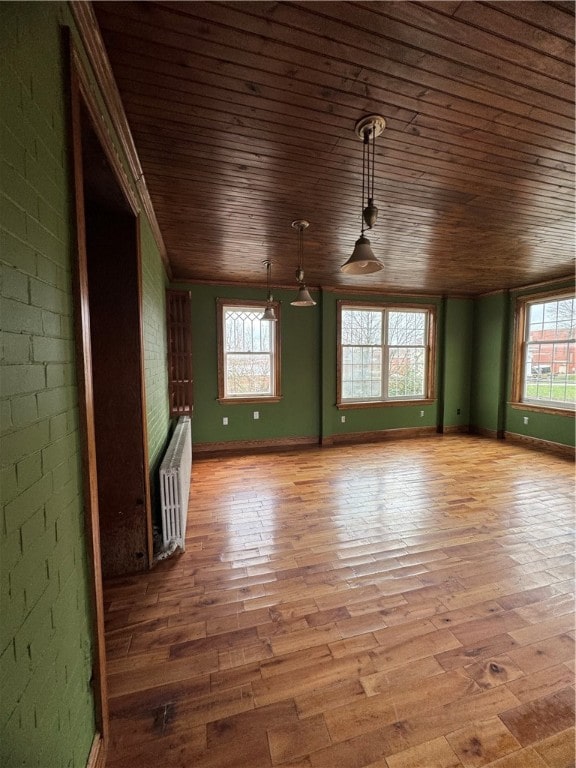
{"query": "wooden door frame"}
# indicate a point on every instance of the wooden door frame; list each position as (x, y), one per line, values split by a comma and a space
(81, 95)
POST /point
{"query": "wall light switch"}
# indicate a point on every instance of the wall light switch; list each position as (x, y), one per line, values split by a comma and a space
(525, 419)
(256, 414)
(343, 419)
(225, 421)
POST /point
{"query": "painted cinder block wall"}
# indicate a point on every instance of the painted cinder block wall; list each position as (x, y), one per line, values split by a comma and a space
(46, 703)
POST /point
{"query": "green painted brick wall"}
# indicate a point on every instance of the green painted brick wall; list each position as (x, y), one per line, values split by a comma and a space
(46, 706)
(154, 283)
(46, 711)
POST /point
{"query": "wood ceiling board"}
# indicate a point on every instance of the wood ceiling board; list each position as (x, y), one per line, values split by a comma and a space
(243, 115)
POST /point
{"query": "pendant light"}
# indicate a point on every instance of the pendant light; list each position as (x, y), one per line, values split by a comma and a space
(303, 298)
(269, 313)
(363, 261)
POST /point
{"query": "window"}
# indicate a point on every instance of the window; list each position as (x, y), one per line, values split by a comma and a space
(385, 354)
(248, 352)
(545, 352)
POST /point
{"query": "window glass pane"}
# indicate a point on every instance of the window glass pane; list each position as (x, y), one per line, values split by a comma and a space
(406, 372)
(361, 326)
(248, 374)
(406, 328)
(244, 331)
(550, 373)
(361, 372)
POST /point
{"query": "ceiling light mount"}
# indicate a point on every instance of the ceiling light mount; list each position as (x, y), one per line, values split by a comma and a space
(374, 124)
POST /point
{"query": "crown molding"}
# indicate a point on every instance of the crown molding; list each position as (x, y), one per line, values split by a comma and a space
(89, 33)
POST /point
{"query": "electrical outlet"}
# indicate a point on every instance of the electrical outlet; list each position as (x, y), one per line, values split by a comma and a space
(256, 414)
(457, 411)
(421, 414)
(525, 419)
(225, 421)
(343, 419)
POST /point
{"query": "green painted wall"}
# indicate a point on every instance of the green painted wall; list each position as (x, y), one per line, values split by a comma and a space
(46, 705)
(154, 283)
(544, 426)
(296, 415)
(457, 361)
(308, 401)
(489, 362)
(46, 717)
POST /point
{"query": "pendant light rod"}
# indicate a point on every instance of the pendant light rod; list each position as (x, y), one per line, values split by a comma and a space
(363, 261)
(269, 313)
(303, 298)
(300, 225)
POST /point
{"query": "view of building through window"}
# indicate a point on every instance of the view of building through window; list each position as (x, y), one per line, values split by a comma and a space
(550, 357)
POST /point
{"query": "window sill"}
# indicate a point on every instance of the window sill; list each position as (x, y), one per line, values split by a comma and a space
(382, 404)
(248, 400)
(542, 409)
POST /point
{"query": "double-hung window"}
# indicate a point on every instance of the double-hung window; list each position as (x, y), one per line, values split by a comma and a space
(385, 354)
(248, 352)
(545, 352)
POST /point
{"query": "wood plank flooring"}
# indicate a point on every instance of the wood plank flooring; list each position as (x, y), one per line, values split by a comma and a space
(406, 604)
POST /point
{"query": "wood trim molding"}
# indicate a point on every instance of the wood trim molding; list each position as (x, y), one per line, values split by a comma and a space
(97, 756)
(521, 288)
(456, 429)
(205, 450)
(91, 38)
(566, 451)
(380, 435)
(384, 294)
(493, 434)
(542, 409)
(86, 404)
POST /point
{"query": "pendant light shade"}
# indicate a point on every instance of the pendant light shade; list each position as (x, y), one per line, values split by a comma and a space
(269, 315)
(303, 298)
(363, 261)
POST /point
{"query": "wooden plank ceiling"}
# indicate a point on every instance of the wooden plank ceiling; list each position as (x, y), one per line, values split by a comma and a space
(243, 116)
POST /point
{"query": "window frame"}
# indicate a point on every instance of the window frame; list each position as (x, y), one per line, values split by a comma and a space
(520, 345)
(430, 355)
(221, 305)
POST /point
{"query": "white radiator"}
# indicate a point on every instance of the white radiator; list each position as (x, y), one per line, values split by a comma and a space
(175, 485)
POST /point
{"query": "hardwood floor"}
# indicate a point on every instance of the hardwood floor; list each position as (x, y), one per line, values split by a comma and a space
(397, 605)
